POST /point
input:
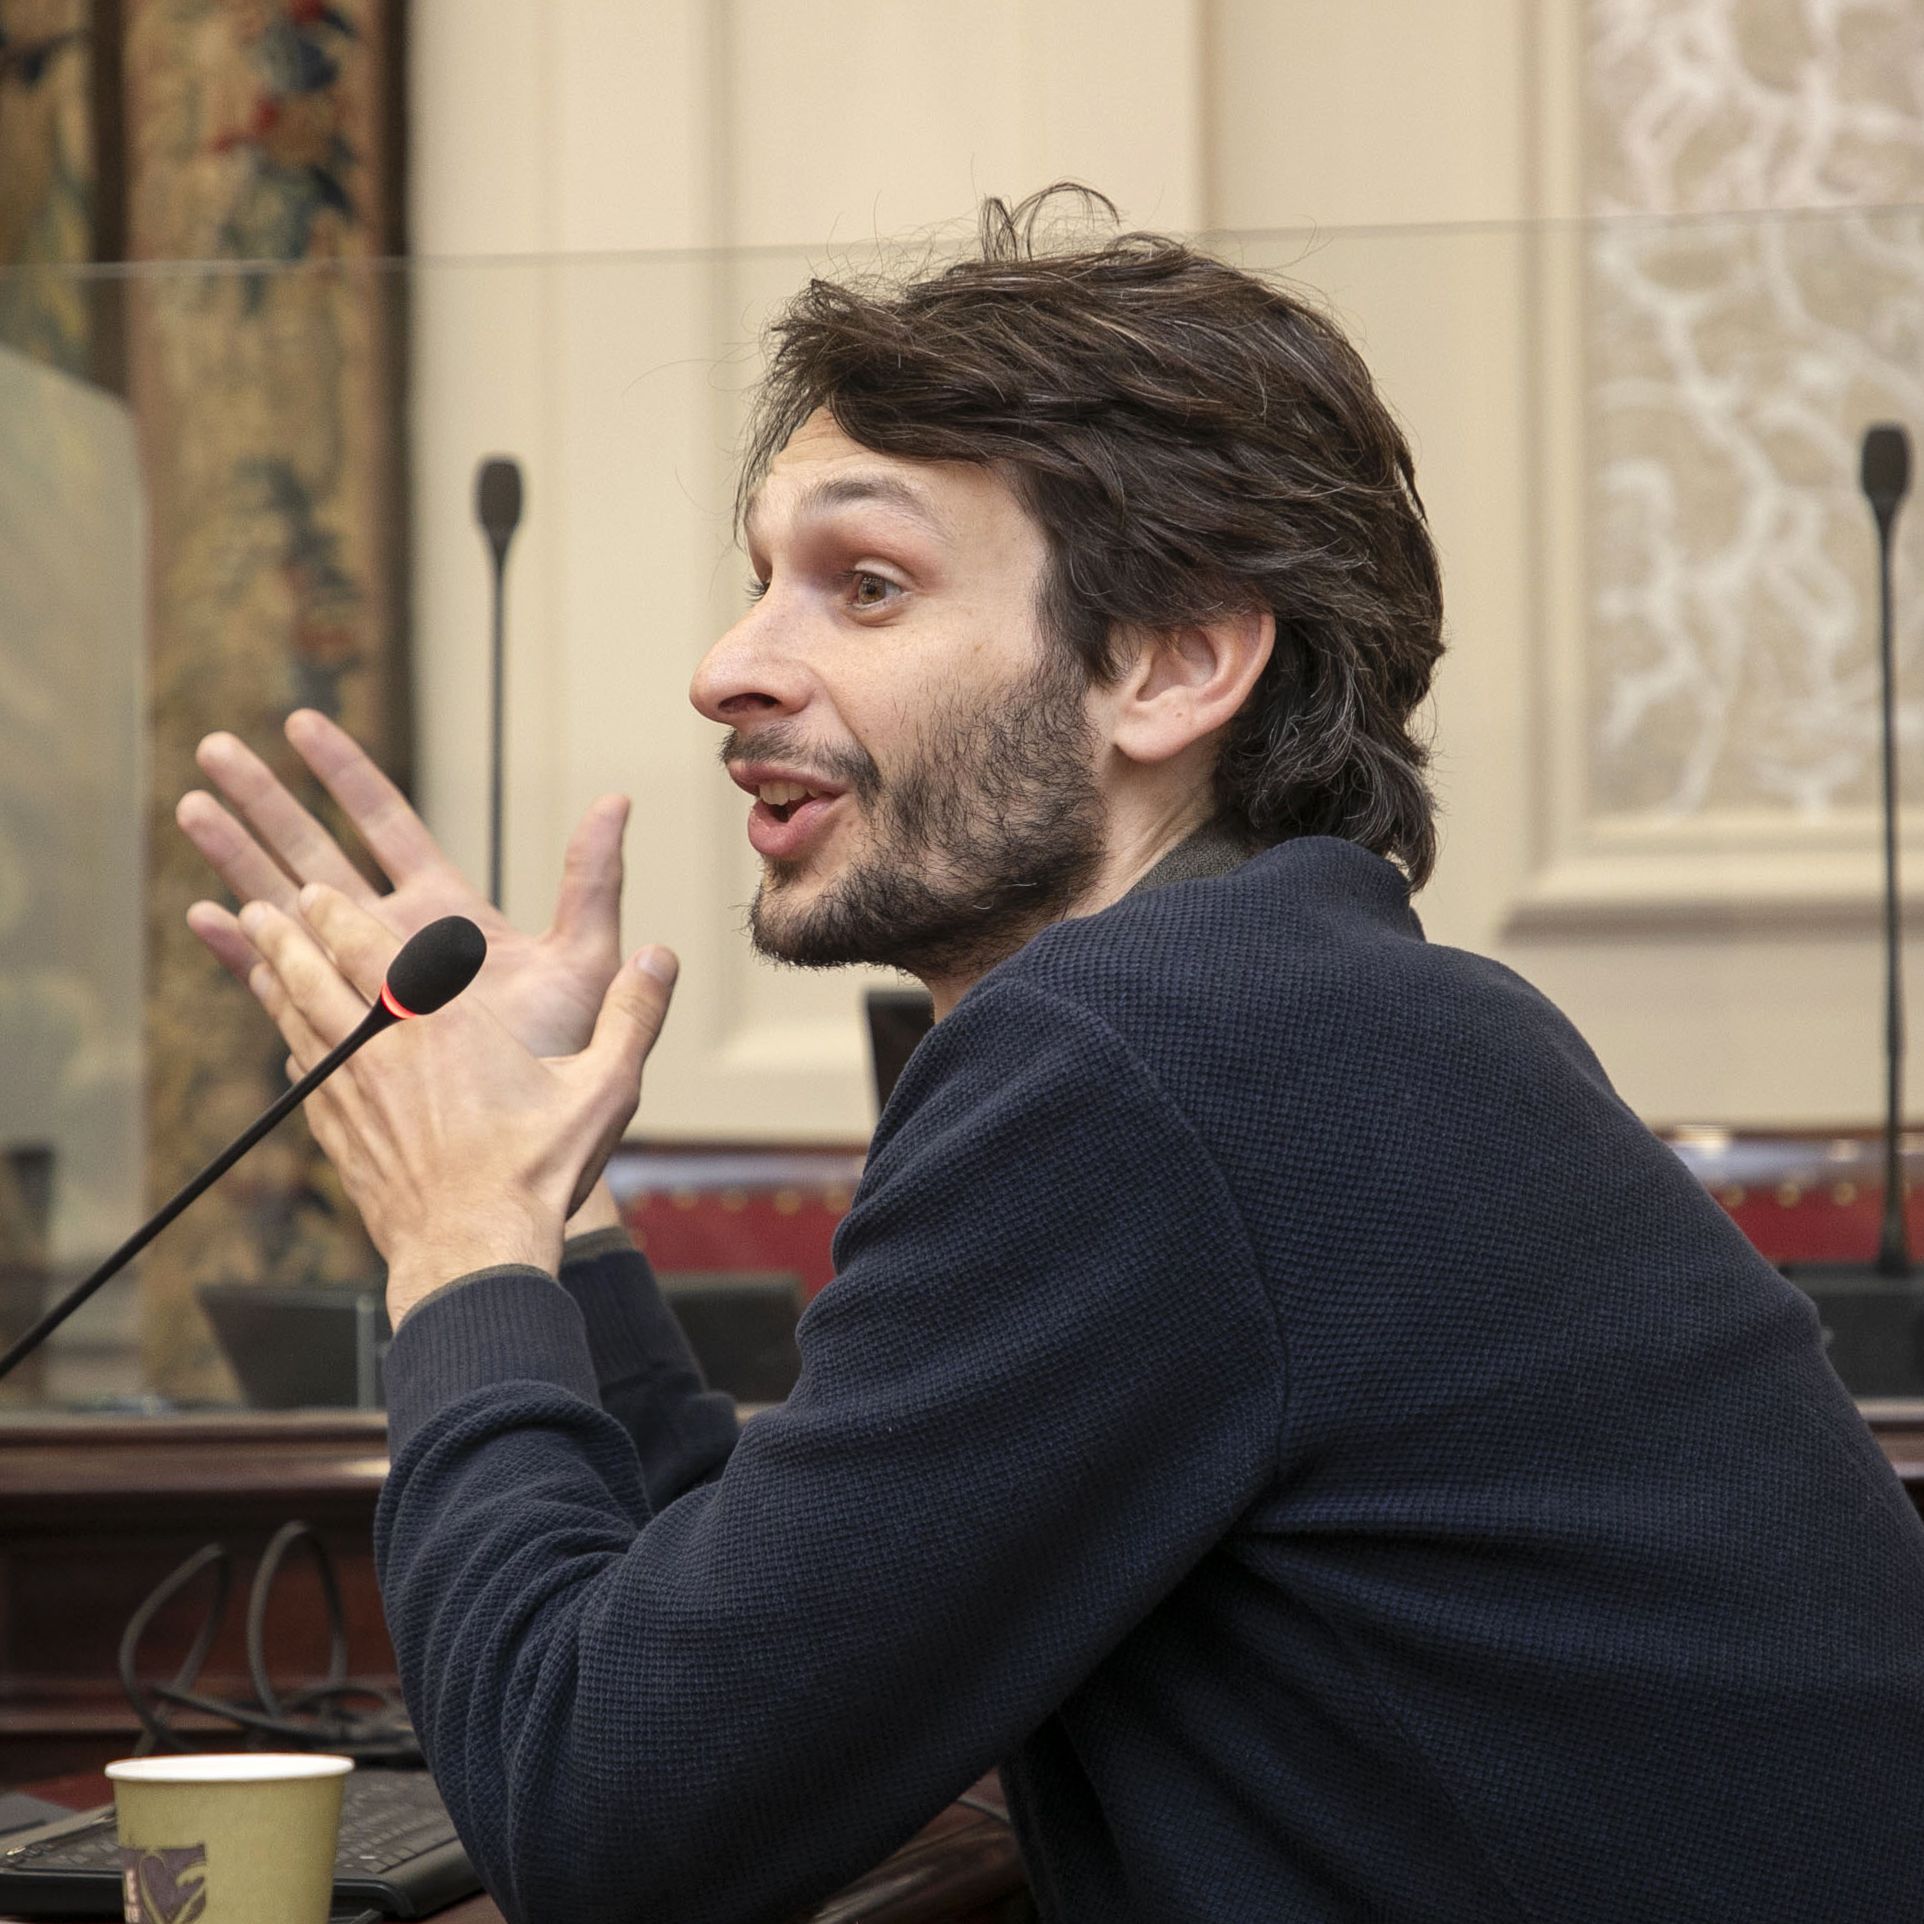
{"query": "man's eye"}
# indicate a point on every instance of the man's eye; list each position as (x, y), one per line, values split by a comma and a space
(867, 590)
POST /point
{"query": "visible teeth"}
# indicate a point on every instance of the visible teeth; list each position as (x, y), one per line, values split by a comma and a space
(780, 794)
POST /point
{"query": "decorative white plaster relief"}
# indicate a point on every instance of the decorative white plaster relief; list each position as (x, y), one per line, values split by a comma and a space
(1736, 351)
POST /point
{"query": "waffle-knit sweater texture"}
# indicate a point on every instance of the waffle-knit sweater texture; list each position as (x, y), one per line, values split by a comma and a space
(1276, 1401)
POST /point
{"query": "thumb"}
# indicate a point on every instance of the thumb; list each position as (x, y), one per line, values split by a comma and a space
(632, 1013)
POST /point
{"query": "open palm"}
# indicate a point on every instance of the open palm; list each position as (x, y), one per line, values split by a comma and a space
(546, 989)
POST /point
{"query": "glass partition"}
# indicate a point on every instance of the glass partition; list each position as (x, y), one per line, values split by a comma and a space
(229, 490)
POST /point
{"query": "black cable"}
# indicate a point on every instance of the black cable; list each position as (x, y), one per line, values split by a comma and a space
(284, 1540)
(155, 1732)
(315, 1717)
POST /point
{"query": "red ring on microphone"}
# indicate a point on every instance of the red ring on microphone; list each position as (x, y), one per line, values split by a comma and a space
(393, 1007)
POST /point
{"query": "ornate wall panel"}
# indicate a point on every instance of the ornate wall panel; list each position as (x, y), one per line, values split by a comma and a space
(266, 389)
(1753, 298)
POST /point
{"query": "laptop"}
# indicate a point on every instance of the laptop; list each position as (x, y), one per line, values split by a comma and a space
(398, 1855)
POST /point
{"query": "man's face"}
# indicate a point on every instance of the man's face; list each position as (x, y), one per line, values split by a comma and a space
(923, 761)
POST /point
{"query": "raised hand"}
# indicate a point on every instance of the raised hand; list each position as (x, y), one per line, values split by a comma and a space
(546, 989)
(459, 1146)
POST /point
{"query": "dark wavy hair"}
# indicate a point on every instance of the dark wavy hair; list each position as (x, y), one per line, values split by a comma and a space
(1194, 442)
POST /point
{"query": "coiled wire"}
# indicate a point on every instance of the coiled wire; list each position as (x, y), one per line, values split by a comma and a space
(315, 1717)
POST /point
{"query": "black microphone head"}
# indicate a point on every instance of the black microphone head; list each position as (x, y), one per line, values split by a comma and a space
(497, 500)
(1886, 470)
(434, 965)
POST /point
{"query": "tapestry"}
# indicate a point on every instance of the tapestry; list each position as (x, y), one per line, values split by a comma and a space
(46, 179)
(264, 374)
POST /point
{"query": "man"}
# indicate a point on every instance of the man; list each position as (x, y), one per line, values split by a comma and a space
(1275, 1400)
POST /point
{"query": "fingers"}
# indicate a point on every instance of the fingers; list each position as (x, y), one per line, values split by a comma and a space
(305, 1048)
(323, 997)
(588, 908)
(395, 835)
(217, 927)
(295, 839)
(360, 946)
(231, 852)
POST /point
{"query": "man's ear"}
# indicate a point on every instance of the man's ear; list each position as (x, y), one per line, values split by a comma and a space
(1186, 683)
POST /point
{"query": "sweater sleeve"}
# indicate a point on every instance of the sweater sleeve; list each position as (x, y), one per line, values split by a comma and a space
(1045, 1381)
(646, 1376)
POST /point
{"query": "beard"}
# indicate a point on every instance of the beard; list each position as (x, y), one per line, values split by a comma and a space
(989, 834)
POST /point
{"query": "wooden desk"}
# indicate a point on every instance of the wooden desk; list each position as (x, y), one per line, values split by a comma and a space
(94, 1512)
(961, 1869)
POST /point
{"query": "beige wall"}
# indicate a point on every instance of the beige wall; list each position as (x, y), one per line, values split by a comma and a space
(582, 131)
(1419, 142)
(1369, 113)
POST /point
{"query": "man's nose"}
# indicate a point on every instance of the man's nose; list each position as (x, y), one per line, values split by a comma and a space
(748, 673)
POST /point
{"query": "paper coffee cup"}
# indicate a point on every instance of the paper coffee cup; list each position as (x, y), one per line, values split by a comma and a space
(241, 1839)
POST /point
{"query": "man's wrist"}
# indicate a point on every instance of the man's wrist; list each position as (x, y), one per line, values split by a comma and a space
(440, 1255)
(600, 1211)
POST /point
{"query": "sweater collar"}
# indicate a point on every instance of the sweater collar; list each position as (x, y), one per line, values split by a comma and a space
(1214, 849)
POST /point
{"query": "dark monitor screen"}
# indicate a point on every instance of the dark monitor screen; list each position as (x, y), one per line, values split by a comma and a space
(897, 1020)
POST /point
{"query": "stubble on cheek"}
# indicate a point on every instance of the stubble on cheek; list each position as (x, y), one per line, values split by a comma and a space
(990, 830)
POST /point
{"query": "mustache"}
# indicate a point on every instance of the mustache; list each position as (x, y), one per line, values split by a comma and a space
(852, 767)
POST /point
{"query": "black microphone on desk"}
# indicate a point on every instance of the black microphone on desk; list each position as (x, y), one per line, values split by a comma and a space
(432, 967)
(1885, 475)
(1872, 1313)
(497, 506)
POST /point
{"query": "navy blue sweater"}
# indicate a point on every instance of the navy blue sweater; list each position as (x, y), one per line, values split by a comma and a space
(1276, 1401)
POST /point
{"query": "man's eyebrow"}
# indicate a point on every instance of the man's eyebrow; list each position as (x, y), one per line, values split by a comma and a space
(851, 490)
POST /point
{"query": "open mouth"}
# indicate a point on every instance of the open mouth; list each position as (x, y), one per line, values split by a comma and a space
(782, 799)
(787, 816)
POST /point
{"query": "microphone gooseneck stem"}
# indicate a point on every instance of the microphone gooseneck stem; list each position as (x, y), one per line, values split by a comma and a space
(498, 700)
(498, 501)
(1893, 1243)
(376, 1019)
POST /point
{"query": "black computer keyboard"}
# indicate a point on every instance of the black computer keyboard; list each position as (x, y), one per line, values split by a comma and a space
(398, 1856)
